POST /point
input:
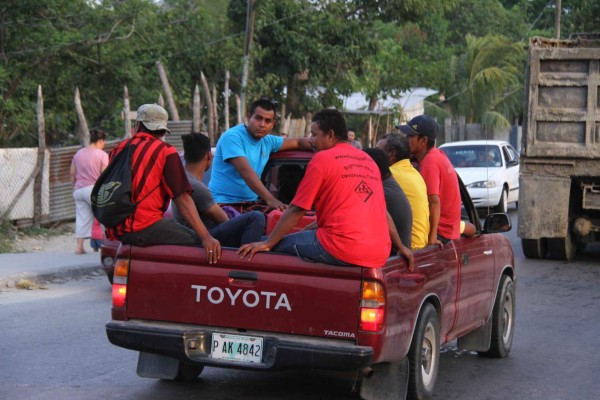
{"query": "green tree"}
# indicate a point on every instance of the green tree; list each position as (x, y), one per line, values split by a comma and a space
(61, 45)
(305, 52)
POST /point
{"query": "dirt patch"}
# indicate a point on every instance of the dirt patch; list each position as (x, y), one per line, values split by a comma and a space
(60, 239)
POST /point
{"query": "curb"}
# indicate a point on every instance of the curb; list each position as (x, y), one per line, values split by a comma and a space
(52, 274)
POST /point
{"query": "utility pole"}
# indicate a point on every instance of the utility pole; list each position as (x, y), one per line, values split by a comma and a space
(557, 20)
(250, 14)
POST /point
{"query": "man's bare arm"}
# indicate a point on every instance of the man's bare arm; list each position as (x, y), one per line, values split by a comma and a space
(295, 144)
(216, 214)
(288, 220)
(188, 210)
(434, 218)
(242, 165)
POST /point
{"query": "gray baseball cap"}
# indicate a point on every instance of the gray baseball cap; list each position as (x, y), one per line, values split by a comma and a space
(153, 116)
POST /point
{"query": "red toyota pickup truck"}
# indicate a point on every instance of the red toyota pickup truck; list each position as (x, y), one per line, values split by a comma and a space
(278, 311)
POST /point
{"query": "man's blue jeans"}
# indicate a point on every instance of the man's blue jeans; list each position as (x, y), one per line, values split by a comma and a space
(306, 246)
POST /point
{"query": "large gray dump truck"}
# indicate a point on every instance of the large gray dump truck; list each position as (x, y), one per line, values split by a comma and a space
(559, 199)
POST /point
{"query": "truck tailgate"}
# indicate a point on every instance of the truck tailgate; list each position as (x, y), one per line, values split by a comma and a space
(274, 293)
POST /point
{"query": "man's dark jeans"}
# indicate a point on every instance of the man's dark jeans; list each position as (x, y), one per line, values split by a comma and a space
(165, 231)
(245, 228)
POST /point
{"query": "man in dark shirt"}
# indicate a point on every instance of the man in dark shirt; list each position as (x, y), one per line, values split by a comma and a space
(245, 228)
(157, 175)
(396, 201)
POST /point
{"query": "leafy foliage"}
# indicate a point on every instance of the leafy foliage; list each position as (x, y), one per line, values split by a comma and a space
(305, 53)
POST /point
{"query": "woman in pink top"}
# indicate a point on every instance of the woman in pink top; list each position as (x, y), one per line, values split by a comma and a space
(87, 165)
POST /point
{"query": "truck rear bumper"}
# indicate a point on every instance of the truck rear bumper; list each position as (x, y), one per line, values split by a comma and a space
(192, 344)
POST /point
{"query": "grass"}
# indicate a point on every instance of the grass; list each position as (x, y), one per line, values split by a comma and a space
(7, 237)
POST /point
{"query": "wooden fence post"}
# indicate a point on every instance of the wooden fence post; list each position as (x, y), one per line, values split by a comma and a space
(308, 120)
(126, 112)
(209, 105)
(226, 102)
(215, 110)
(238, 106)
(197, 111)
(167, 89)
(38, 182)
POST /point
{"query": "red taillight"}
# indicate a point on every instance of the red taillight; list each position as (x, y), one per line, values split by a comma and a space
(119, 289)
(372, 310)
(119, 294)
(371, 319)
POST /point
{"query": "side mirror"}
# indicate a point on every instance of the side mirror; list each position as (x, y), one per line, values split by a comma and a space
(496, 223)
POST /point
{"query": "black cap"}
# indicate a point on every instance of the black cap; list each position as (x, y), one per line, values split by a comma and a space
(421, 125)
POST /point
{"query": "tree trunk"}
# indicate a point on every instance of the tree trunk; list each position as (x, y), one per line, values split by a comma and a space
(38, 183)
(373, 102)
(210, 108)
(250, 17)
(291, 101)
(161, 100)
(283, 114)
(84, 132)
(167, 90)
(197, 111)
(226, 103)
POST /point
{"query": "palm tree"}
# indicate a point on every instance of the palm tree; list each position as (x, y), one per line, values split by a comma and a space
(488, 82)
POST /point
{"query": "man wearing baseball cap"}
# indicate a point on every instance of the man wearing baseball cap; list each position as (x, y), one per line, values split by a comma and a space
(439, 175)
(157, 175)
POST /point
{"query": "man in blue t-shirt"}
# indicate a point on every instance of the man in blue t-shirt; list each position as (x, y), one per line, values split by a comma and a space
(241, 155)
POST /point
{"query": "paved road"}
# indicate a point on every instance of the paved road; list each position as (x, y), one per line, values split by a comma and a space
(53, 346)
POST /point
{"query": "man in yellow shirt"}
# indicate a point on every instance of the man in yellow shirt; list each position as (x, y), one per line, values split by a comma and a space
(410, 180)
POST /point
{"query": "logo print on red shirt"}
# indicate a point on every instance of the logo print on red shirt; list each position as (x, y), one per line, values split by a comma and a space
(364, 191)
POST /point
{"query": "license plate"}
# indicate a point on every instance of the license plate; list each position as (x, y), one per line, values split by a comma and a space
(236, 348)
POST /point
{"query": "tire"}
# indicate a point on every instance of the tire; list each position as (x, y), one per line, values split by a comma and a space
(562, 248)
(503, 320)
(534, 248)
(187, 372)
(502, 206)
(110, 278)
(424, 355)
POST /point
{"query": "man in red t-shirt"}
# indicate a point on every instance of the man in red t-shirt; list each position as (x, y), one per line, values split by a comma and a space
(439, 176)
(344, 186)
(157, 176)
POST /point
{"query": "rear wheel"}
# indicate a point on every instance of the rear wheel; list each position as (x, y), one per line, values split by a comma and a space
(503, 320)
(534, 248)
(502, 206)
(562, 248)
(424, 355)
